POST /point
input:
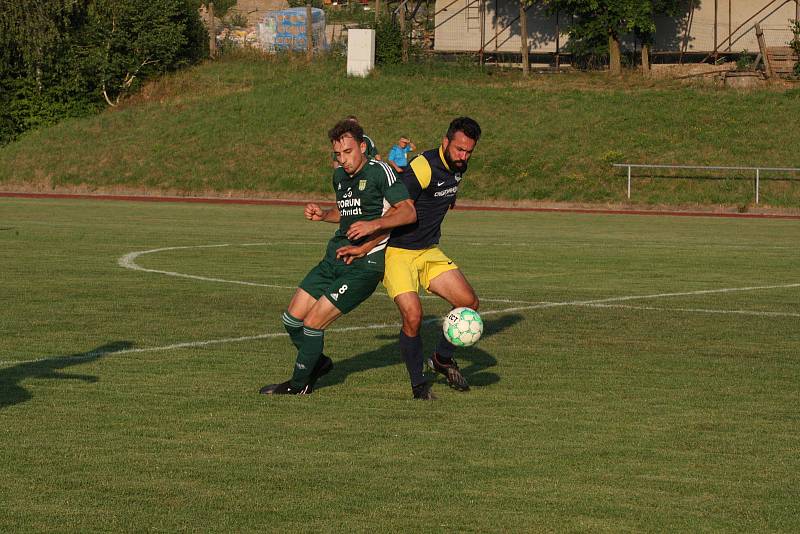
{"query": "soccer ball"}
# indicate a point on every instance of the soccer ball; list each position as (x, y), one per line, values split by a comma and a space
(462, 327)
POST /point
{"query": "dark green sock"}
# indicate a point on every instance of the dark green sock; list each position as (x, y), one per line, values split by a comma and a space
(294, 327)
(307, 356)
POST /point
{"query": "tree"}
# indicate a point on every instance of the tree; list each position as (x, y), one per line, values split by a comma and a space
(61, 58)
(126, 42)
(523, 31)
(599, 24)
(644, 25)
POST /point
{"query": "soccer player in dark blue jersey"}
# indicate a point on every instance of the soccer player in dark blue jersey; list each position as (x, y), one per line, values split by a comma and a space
(413, 257)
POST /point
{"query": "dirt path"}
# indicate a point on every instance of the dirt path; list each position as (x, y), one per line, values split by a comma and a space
(493, 205)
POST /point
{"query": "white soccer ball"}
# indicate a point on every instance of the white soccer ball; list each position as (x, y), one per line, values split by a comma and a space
(462, 327)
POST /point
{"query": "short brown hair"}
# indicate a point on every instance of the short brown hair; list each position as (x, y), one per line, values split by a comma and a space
(345, 127)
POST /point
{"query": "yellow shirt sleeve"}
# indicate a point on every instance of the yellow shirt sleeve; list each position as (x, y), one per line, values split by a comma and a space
(422, 170)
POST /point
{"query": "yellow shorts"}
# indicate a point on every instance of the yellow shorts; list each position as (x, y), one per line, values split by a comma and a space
(406, 269)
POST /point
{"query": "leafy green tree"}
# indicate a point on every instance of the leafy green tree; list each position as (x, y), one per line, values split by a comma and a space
(61, 58)
(37, 84)
(599, 24)
(123, 43)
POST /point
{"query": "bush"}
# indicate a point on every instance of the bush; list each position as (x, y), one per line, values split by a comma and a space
(795, 44)
(388, 42)
(302, 3)
(588, 45)
(744, 62)
(63, 58)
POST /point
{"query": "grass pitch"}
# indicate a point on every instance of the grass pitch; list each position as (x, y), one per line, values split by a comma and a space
(637, 374)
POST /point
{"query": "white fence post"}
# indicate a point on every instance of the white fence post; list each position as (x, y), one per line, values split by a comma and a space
(757, 180)
(629, 182)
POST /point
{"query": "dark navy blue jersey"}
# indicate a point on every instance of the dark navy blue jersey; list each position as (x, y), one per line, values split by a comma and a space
(433, 187)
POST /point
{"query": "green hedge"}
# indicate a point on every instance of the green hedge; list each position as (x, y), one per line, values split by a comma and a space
(62, 58)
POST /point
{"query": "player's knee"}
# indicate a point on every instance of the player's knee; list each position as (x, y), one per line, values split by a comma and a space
(316, 324)
(317, 321)
(412, 323)
(468, 301)
(475, 303)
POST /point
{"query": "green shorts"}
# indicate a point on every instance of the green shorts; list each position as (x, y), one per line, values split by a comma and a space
(346, 286)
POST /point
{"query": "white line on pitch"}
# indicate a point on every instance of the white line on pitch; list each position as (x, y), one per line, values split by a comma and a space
(638, 297)
(194, 344)
(697, 310)
(542, 305)
(128, 261)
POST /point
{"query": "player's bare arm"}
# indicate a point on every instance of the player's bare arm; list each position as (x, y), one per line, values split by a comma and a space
(402, 214)
(314, 212)
(353, 252)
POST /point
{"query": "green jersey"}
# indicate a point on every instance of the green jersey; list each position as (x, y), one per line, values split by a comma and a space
(363, 197)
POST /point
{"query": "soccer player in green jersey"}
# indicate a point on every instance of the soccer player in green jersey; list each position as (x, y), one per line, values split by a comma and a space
(365, 189)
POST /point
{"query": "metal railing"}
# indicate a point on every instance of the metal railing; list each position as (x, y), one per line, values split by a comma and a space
(757, 171)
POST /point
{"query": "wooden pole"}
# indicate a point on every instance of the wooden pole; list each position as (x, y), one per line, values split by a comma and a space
(645, 57)
(716, 20)
(377, 10)
(689, 20)
(309, 34)
(496, 31)
(614, 59)
(523, 33)
(483, 29)
(730, 23)
(212, 32)
(558, 41)
(762, 46)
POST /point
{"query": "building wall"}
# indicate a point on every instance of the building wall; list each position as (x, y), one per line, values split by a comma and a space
(458, 26)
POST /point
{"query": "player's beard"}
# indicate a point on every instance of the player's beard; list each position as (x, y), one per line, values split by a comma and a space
(458, 164)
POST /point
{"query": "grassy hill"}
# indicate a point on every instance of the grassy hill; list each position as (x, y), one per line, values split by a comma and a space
(248, 126)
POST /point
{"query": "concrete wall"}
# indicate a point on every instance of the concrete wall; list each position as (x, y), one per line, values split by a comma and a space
(458, 26)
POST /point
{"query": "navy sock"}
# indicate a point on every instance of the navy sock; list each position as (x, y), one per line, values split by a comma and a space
(445, 349)
(411, 350)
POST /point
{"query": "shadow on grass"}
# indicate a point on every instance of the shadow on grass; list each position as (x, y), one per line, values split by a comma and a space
(473, 361)
(11, 392)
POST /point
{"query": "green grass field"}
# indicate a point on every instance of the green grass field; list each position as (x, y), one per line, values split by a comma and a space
(637, 374)
(246, 126)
